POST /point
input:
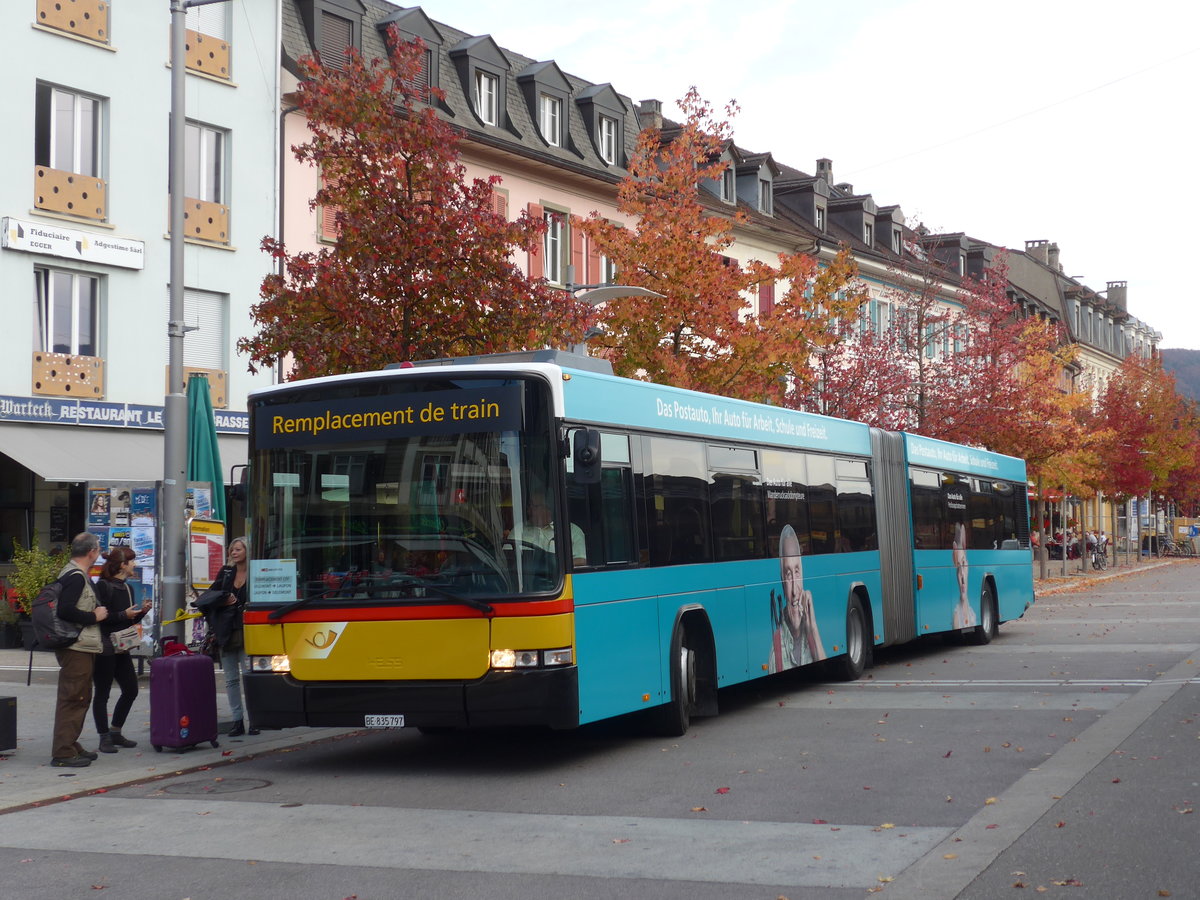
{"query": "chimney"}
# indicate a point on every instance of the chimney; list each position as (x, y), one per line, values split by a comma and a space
(1038, 250)
(846, 188)
(649, 113)
(1118, 294)
(1052, 258)
(825, 170)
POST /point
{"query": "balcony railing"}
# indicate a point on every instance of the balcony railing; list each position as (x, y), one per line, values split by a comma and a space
(82, 18)
(205, 221)
(218, 379)
(207, 54)
(65, 375)
(70, 193)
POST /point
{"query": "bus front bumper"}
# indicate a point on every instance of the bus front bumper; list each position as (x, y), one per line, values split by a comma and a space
(548, 697)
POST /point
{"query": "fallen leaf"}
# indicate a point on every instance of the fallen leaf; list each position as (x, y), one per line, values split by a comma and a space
(99, 887)
(1164, 893)
(620, 840)
(1116, 781)
(885, 879)
(947, 754)
(1061, 825)
(819, 822)
(721, 790)
(887, 825)
(989, 801)
(1018, 884)
(991, 826)
(950, 856)
(699, 809)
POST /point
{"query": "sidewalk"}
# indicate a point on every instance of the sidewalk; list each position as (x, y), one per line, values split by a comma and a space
(26, 776)
(1056, 583)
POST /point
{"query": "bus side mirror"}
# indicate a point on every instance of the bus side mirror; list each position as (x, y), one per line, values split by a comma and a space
(587, 456)
(238, 491)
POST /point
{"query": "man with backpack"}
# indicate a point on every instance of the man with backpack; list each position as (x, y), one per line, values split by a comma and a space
(77, 603)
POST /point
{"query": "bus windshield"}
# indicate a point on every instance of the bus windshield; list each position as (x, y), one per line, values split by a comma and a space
(414, 489)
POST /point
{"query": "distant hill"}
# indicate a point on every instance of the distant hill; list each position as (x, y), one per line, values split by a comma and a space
(1185, 365)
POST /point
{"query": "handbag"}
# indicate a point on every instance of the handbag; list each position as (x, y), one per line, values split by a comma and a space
(209, 598)
(126, 639)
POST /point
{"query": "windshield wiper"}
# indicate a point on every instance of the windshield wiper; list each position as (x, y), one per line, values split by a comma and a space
(406, 580)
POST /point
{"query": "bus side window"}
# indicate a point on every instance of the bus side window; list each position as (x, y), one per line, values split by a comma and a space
(604, 510)
(676, 487)
(822, 505)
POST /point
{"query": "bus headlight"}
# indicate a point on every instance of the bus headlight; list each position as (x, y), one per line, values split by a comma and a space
(530, 659)
(278, 665)
(560, 657)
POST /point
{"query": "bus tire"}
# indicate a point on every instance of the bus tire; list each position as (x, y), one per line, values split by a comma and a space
(850, 665)
(675, 715)
(989, 623)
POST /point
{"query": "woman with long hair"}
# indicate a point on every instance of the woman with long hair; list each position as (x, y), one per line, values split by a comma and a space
(114, 593)
(225, 620)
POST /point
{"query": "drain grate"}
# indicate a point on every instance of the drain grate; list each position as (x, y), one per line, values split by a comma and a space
(216, 786)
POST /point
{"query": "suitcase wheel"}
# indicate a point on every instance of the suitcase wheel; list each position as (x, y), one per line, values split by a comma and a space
(158, 748)
(215, 745)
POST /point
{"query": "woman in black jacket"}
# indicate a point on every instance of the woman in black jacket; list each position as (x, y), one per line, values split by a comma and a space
(224, 617)
(114, 593)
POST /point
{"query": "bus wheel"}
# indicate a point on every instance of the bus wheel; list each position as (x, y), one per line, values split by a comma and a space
(849, 666)
(675, 716)
(989, 623)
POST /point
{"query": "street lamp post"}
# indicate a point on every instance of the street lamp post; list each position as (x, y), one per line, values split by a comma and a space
(175, 426)
(595, 294)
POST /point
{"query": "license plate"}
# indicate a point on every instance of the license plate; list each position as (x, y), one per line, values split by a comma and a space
(384, 721)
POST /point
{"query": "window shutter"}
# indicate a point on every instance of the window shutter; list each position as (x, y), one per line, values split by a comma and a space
(203, 348)
(577, 256)
(537, 265)
(593, 263)
(211, 20)
(500, 203)
(766, 298)
(329, 224)
(337, 34)
(421, 81)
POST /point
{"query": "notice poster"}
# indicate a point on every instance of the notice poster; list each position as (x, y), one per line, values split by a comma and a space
(143, 506)
(199, 503)
(143, 545)
(120, 537)
(119, 512)
(99, 502)
(206, 551)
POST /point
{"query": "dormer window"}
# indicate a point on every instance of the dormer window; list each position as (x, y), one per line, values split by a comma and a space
(410, 25)
(868, 234)
(727, 185)
(607, 139)
(764, 196)
(550, 119)
(820, 218)
(897, 243)
(486, 92)
(334, 26)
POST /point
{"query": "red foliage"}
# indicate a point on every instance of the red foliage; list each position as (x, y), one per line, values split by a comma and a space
(422, 267)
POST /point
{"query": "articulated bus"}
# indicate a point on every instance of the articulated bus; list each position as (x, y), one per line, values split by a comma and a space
(526, 539)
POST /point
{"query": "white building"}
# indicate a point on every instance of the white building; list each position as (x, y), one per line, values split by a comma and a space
(84, 268)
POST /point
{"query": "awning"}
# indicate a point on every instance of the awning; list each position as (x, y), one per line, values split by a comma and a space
(80, 453)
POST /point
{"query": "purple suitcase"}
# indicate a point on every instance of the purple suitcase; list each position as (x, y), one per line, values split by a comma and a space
(183, 701)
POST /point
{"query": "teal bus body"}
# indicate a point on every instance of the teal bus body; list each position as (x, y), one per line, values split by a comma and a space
(724, 541)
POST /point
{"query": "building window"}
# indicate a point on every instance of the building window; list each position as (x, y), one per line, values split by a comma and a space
(608, 139)
(485, 97)
(727, 185)
(67, 312)
(764, 196)
(212, 19)
(896, 242)
(204, 163)
(868, 234)
(67, 131)
(337, 37)
(550, 119)
(204, 344)
(608, 271)
(820, 218)
(554, 245)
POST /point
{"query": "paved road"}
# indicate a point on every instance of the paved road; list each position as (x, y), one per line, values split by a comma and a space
(1064, 757)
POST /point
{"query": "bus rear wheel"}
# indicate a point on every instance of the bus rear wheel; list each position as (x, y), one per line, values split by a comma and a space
(675, 716)
(850, 665)
(989, 622)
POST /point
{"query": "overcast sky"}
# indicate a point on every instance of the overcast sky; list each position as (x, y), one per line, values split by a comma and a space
(1074, 122)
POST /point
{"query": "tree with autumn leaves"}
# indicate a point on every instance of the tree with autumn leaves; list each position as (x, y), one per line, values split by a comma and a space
(422, 267)
(702, 333)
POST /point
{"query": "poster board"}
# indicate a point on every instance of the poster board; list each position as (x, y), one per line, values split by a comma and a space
(206, 551)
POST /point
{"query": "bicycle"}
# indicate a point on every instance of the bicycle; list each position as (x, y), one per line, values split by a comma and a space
(1100, 557)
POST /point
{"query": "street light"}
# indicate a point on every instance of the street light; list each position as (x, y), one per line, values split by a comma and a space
(175, 425)
(594, 295)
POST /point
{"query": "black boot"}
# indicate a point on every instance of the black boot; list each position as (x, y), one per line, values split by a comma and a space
(107, 745)
(120, 740)
(238, 729)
